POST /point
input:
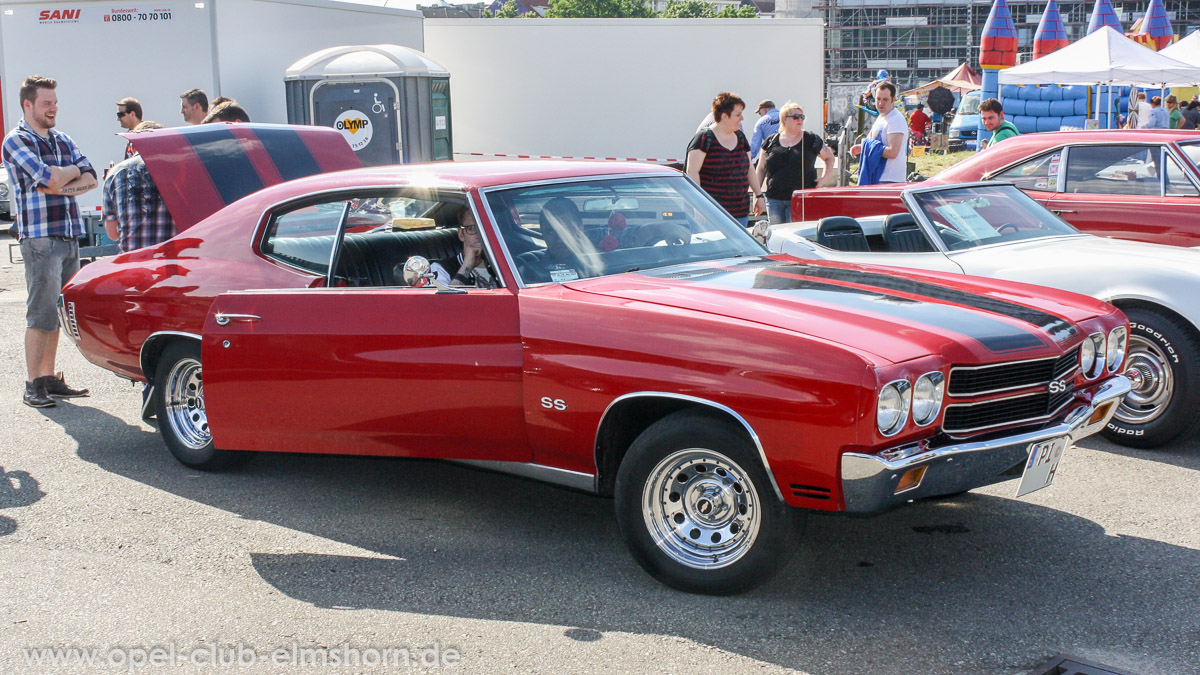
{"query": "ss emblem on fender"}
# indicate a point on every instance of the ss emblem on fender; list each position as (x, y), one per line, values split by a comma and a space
(1058, 386)
(553, 403)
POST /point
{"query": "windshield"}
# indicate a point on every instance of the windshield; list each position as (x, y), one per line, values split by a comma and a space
(969, 105)
(578, 230)
(1192, 150)
(974, 216)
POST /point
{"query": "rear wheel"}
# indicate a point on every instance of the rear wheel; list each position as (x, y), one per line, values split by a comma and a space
(179, 398)
(697, 510)
(1164, 406)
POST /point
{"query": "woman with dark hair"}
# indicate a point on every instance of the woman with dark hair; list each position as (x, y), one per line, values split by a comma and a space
(788, 162)
(718, 159)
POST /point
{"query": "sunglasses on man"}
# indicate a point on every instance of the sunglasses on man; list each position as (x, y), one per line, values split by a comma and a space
(122, 113)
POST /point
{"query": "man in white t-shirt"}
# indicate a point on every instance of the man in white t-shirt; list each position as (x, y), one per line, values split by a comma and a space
(1143, 110)
(891, 129)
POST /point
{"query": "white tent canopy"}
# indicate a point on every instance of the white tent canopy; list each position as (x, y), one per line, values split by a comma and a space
(1104, 57)
(1186, 50)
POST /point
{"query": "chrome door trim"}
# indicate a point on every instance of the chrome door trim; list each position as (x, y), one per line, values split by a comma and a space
(575, 480)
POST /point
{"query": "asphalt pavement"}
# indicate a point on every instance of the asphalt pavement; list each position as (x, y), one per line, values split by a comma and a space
(108, 544)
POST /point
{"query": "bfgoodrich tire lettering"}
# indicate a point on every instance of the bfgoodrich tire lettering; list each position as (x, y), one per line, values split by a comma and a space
(1164, 407)
(697, 510)
(179, 400)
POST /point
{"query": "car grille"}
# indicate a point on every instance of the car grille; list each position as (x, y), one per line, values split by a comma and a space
(977, 380)
(66, 317)
(1022, 408)
(968, 417)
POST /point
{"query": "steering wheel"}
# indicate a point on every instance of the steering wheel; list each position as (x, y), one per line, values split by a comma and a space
(670, 234)
(1007, 228)
(953, 239)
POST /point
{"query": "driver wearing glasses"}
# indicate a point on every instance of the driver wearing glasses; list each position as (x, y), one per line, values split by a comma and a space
(471, 262)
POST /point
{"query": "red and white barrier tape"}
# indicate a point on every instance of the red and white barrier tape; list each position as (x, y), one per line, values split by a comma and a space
(602, 159)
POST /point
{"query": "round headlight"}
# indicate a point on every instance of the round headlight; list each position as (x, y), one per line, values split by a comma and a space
(892, 411)
(1115, 356)
(927, 398)
(1087, 356)
(1099, 350)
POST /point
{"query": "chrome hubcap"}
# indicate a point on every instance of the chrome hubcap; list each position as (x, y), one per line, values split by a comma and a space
(184, 399)
(701, 508)
(1149, 398)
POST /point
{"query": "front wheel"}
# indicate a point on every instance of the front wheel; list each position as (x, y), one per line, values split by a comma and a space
(1163, 408)
(697, 510)
(179, 399)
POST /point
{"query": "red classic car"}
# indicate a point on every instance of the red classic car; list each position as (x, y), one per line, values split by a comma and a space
(1142, 185)
(632, 340)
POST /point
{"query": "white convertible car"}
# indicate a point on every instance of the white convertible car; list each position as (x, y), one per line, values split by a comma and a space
(995, 230)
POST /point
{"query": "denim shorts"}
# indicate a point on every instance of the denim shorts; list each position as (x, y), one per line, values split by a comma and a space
(779, 210)
(49, 263)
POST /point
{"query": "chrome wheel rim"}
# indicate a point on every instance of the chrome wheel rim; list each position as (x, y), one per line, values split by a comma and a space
(1148, 401)
(184, 403)
(701, 509)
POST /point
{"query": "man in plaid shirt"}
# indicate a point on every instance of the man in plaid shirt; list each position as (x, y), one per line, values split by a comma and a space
(47, 172)
(135, 214)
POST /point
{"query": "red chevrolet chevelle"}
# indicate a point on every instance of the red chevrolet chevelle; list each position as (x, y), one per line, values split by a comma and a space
(1141, 184)
(622, 335)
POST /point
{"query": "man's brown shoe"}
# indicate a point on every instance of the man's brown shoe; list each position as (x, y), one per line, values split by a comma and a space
(55, 385)
(36, 396)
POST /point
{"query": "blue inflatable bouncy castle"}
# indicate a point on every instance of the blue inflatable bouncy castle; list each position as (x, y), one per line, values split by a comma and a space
(1044, 107)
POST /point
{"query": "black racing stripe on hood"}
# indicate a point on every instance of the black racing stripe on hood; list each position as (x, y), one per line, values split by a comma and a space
(1058, 328)
(227, 164)
(288, 152)
(997, 336)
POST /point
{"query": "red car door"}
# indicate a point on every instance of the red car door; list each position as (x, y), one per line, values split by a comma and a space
(1128, 191)
(397, 371)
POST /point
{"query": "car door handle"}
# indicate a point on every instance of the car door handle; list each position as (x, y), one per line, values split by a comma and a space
(226, 319)
(1061, 211)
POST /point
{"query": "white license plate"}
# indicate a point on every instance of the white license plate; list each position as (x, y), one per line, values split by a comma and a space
(1042, 465)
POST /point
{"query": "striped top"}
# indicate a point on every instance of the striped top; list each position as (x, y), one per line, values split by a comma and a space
(725, 173)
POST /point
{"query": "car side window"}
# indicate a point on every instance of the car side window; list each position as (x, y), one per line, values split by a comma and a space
(1114, 169)
(384, 228)
(303, 236)
(1178, 184)
(1039, 173)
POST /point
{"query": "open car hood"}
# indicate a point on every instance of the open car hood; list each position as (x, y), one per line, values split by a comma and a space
(201, 169)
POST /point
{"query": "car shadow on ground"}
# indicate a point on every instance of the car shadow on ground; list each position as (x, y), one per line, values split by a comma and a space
(925, 588)
(1184, 454)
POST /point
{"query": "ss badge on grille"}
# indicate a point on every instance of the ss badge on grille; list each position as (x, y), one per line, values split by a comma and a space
(1058, 386)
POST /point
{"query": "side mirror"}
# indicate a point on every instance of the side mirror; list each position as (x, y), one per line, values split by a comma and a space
(761, 231)
(416, 272)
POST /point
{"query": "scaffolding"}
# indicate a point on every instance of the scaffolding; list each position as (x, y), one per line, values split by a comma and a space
(919, 40)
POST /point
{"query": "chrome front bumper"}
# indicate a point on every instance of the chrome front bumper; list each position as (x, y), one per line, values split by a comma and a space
(869, 482)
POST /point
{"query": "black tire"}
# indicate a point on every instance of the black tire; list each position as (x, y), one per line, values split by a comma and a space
(1164, 407)
(179, 402)
(690, 471)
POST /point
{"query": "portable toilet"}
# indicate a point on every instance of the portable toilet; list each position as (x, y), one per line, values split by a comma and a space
(392, 103)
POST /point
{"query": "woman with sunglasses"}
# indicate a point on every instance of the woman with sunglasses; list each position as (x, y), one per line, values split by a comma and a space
(788, 162)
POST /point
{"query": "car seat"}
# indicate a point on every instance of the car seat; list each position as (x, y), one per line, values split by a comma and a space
(841, 233)
(902, 234)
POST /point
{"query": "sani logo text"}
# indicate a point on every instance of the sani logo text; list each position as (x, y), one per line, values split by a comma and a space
(59, 15)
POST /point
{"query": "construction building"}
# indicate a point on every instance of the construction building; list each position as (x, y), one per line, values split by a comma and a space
(920, 40)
